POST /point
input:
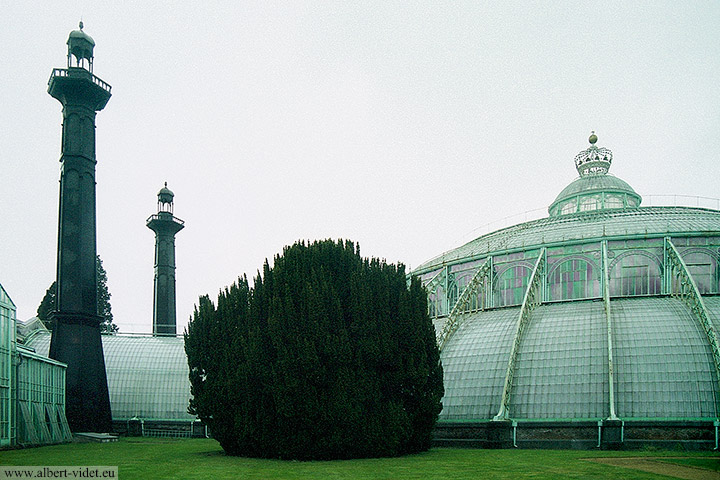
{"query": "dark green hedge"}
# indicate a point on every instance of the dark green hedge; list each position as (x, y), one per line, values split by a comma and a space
(329, 355)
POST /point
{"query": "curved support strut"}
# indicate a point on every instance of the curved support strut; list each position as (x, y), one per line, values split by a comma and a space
(458, 312)
(533, 298)
(686, 290)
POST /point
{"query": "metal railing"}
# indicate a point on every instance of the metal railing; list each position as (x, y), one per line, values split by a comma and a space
(79, 73)
(680, 201)
(165, 216)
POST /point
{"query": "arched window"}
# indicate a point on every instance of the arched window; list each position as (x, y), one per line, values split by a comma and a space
(573, 279)
(511, 285)
(635, 274)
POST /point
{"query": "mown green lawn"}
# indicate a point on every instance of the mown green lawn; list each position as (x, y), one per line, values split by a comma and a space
(146, 458)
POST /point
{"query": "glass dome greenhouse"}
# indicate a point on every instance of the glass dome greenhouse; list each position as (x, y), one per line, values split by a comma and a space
(602, 311)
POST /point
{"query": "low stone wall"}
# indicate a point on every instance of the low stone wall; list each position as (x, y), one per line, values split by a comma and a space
(160, 428)
(585, 435)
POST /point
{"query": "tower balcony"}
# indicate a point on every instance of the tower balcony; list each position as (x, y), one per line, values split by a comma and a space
(164, 216)
(165, 223)
(77, 72)
(77, 83)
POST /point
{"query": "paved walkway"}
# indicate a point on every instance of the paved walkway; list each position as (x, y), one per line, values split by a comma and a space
(655, 465)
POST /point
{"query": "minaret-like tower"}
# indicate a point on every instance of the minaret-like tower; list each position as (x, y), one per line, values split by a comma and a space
(76, 333)
(165, 225)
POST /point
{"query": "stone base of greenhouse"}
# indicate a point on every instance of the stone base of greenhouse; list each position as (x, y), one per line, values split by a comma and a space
(160, 428)
(668, 434)
(682, 434)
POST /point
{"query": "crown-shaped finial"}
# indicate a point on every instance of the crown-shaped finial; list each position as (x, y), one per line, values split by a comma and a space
(594, 160)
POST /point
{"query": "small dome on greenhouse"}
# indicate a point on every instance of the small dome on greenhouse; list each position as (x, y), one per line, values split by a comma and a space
(595, 189)
(603, 311)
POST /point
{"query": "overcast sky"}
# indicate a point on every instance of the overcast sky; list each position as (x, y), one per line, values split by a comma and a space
(402, 126)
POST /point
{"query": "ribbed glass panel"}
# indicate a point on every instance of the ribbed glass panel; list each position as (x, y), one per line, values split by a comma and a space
(474, 362)
(561, 369)
(663, 365)
(147, 376)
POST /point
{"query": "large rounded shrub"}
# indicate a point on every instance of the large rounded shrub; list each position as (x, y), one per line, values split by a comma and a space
(328, 355)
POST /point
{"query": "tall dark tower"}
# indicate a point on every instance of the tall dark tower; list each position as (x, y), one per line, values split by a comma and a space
(165, 225)
(76, 334)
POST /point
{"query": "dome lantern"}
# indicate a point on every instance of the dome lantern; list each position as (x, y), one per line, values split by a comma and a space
(80, 46)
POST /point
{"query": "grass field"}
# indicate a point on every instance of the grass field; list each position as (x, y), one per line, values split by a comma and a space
(145, 458)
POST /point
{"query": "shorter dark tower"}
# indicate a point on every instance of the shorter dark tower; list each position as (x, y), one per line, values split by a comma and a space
(165, 225)
(76, 333)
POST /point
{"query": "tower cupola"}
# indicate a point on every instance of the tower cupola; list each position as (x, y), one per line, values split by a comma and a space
(165, 200)
(80, 46)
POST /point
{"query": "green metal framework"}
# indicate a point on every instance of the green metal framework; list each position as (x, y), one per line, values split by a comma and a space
(685, 288)
(32, 389)
(7, 346)
(533, 298)
(629, 295)
(608, 319)
(41, 400)
(613, 268)
(437, 281)
(457, 314)
(637, 265)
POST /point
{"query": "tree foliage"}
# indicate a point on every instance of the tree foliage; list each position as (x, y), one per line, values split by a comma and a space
(104, 309)
(103, 300)
(328, 355)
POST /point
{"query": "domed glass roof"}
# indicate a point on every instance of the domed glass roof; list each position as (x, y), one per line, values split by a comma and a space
(594, 184)
(602, 310)
(594, 189)
(147, 376)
